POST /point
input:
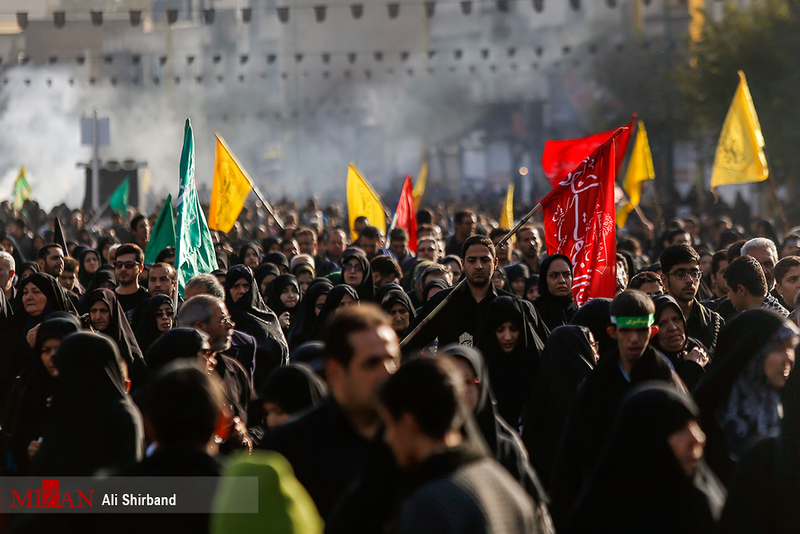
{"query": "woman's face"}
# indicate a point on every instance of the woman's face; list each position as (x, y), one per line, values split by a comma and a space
(455, 270)
(48, 349)
(290, 296)
(498, 279)
(100, 316)
(91, 263)
(8, 246)
(164, 317)
(400, 318)
(353, 272)
(33, 300)
(778, 364)
(559, 279)
(532, 293)
(518, 286)
(472, 384)
(347, 300)
(251, 258)
(304, 280)
(320, 303)
(687, 444)
(508, 336)
(239, 289)
(671, 332)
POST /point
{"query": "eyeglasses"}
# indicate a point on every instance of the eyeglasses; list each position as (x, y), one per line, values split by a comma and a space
(226, 319)
(681, 274)
(165, 313)
(126, 264)
(352, 267)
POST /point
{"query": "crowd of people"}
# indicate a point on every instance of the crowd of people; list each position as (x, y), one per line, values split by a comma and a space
(671, 407)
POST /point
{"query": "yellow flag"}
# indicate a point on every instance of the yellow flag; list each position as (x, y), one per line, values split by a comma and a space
(229, 192)
(362, 200)
(419, 187)
(740, 155)
(507, 214)
(640, 168)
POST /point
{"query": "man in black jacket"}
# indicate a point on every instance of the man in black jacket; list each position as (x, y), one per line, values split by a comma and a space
(448, 484)
(327, 447)
(463, 318)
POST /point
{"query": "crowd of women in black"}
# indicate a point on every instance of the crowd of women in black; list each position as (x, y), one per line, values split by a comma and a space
(665, 444)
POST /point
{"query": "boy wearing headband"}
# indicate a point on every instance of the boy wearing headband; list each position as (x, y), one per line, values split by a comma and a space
(631, 324)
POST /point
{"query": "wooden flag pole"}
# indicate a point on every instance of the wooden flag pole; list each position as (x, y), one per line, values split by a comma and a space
(411, 335)
(266, 204)
(782, 214)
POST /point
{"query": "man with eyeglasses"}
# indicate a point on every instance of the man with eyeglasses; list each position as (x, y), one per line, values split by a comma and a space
(427, 249)
(210, 315)
(680, 275)
(128, 264)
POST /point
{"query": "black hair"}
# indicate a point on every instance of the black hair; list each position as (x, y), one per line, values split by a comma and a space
(346, 321)
(631, 303)
(477, 239)
(644, 277)
(716, 259)
(183, 404)
(135, 221)
(746, 271)
(676, 254)
(783, 266)
(429, 389)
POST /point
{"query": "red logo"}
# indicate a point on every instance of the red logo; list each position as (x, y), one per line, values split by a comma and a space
(50, 497)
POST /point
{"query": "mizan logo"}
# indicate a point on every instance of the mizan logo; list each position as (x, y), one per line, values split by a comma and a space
(50, 497)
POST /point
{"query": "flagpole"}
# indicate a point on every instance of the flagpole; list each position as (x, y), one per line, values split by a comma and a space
(99, 213)
(647, 222)
(376, 195)
(266, 204)
(411, 335)
(778, 202)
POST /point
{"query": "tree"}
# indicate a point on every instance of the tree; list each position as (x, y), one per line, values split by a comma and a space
(762, 41)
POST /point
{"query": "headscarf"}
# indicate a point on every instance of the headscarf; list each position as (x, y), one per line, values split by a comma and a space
(736, 401)
(596, 317)
(381, 292)
(252, 316)
(514, 272)
(276, 258)
(335, 297)
(28, 404)
(306, 313)
(180, 342)
(57, 299)
(84, 277)
(566, 360)
(304, 268)
(24, 266)
(512, 373)
(284, 505)
(85, 432)
(555, 311)
(263, 270)
(502, 440)
(119, 329)
(250, 245)
(366, 289)
(101, 278)
(16, 254)
(398, 296)
(454, 258)
(639, 485)
(436, 282)
(675, 357)
(148, 331)
(533, 280)
(293, 388)
(274, 291)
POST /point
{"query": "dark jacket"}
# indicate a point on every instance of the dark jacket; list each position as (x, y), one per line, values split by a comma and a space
(457, 491)
(704, 325)
(590, 421)
(325, 451)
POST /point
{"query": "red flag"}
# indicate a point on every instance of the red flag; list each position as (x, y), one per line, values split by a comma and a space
(579, 223)
(560, 157)
(406, 214)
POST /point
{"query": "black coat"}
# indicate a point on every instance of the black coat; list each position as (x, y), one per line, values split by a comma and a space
(325, 451)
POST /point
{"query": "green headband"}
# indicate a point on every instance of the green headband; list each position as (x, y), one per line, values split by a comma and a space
(644, 321)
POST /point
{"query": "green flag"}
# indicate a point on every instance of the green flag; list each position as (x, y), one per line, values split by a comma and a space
(119, 198)
(22, 190)
(194, 252)
(163, 235)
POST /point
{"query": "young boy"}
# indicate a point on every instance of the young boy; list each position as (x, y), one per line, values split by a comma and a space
(631, 324)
